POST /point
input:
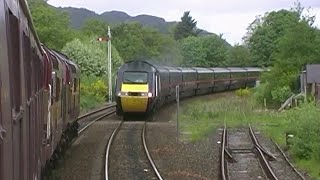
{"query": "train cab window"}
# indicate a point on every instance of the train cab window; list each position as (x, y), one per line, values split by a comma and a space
(14, 58)
(135, 77)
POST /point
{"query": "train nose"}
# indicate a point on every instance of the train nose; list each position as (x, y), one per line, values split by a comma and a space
(134, 97)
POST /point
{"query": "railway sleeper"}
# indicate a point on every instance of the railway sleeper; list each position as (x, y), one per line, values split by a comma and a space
(230, 158)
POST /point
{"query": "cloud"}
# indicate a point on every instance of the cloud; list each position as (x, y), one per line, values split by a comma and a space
(230, 17)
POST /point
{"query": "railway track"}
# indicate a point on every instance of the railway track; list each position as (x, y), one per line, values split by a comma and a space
(89, 118)
(243, 157)
(126, 138)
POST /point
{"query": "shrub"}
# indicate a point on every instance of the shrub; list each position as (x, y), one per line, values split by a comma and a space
(93, 92)
(304, 123)
(243, 92)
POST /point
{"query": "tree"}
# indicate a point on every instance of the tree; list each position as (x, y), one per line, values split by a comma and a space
(186, 27)
(134, 41)
(216, 50)
(91, 56)
(193, 52)
(52, 26)
(95, 26)
(170, 53)
(206, 51)
(239, 55)
(300, 45)
(264, 34)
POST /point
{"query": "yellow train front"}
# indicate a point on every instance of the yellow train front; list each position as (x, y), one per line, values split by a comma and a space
(135, 88)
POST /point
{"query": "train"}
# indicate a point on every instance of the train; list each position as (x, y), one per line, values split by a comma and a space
(40, 93)
(142, 87)
(40, 97)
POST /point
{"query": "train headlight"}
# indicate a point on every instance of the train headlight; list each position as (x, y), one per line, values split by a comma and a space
(149, 94)
(122, 93)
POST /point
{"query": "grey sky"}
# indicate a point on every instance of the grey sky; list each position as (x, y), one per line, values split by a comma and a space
(230, 17)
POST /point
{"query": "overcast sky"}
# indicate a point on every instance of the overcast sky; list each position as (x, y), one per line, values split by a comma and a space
(230, 17)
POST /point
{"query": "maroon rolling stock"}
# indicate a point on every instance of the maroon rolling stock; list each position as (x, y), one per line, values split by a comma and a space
(40, 96)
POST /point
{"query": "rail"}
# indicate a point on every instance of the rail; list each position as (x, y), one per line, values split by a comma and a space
(111, 139)
(287, 160)
(95, 111)
(262, 159)
(148, 154)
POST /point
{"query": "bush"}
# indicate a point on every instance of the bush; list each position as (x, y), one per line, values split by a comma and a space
(93, 92)
(304, 123)
(243, 92)
(281, 93)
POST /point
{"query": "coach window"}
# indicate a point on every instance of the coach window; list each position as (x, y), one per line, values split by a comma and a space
(14, 57)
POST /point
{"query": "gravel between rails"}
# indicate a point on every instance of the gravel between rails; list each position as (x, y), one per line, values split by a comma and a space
(83, 122)
(127, 157)
(280, 167)
(85, 158)
(182, 160)
(247, 165)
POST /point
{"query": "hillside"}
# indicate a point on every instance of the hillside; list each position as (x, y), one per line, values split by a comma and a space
(79, 15)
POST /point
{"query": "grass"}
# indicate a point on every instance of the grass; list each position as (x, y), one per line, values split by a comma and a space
(89, 102)
(202, 118)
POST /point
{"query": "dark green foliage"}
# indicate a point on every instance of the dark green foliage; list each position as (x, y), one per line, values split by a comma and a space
(205, 51)
(304, 124)
(95, 27)
(264, 34)
(134, 41)
(187, 27)
(52, 25)
(239, 55)
(296, 48)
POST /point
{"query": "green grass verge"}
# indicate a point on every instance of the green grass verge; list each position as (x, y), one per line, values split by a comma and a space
(89, 102)
(202, 118)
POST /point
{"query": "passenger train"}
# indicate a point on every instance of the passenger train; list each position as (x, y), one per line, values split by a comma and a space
(40, 98)
(143, 87)
(40, 93)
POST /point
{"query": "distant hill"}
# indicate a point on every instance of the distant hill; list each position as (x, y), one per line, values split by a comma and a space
(79, 16)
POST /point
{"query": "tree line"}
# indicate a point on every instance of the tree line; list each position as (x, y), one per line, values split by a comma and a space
(284, 41)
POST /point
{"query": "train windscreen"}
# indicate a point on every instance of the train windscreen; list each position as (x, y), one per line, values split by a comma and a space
(135, 77)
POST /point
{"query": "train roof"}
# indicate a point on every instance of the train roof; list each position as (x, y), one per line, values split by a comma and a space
(236, 69)
(187, 70)
(154, 66)
(141, 65)
(25, 8)
(220, 70)
(253, 69)
(203, 70)
(172, 69)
